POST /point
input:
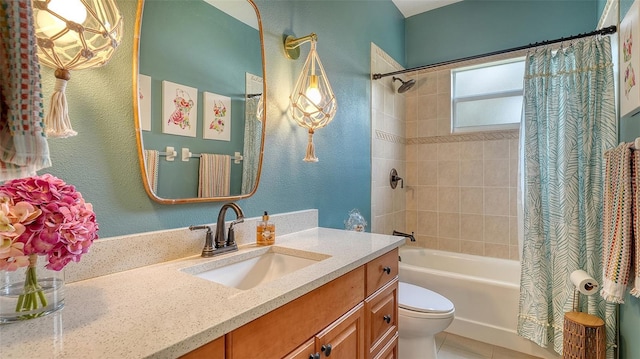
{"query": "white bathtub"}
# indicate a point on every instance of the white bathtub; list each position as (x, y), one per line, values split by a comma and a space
(485, 293)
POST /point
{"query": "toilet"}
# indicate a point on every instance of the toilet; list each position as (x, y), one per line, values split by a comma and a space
(422, 314)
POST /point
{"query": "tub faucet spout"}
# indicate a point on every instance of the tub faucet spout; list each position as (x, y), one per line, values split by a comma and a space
(410, 236)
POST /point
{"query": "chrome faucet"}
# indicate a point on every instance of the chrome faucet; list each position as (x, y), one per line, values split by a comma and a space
(220, 244)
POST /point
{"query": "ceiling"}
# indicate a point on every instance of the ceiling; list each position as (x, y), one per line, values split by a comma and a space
(413, 7)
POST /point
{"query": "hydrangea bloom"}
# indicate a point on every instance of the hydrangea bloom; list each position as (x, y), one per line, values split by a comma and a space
(42, 215)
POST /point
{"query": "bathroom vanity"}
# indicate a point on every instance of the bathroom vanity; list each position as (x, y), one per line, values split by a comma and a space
(353, 316)
(346, 300)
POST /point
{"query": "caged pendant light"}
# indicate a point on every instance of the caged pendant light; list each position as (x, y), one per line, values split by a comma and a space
(73, 35)
(313, 104)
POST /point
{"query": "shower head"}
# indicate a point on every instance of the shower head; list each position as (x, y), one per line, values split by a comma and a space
(406, 85)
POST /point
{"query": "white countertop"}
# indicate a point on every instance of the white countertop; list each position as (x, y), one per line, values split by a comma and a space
(160, 311)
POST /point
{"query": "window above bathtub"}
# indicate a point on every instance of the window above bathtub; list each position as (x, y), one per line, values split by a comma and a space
(488, 96)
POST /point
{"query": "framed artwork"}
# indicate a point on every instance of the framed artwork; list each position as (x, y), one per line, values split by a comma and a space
(179, 109)
(630, 62)
(144, 102)
(216, 117)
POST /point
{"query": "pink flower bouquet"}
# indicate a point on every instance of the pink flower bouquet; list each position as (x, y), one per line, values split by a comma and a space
(42, 216)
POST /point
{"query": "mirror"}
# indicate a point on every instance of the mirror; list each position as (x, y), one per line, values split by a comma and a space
(199, 86)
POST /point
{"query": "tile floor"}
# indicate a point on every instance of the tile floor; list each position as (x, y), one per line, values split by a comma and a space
(451, 346)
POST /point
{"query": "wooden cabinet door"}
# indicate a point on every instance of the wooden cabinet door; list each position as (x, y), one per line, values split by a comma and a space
(305, 351)
(381, 270)
(212, 350)
(391, 350)
(381, 317)
(282, 330)
(344, 338)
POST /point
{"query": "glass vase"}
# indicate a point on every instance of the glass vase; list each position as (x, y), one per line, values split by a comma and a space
(30, 292)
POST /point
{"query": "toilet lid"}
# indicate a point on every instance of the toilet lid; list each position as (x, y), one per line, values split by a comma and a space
(413, 297)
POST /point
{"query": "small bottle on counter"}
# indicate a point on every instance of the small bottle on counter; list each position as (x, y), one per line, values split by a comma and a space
(266, 231)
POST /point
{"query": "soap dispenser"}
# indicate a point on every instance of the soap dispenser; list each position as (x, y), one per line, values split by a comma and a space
(266, 231)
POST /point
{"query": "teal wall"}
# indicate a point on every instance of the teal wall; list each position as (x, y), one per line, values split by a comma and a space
(474, 27)
(624, 6)
(102, 161)
(600, 5)
(227, 49)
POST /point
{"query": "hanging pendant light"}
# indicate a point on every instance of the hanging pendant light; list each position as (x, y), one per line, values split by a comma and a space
(73, 35)
(313, 104)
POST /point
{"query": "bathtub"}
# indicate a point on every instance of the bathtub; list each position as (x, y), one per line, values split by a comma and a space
(485, 292)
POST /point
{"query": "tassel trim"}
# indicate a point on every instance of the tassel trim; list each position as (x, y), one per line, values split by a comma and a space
(613, 292)
(311, 150)
(635, 292)
(535, 320)
(57, 122)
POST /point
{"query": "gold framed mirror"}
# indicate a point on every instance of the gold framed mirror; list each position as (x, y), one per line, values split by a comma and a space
(199, 93)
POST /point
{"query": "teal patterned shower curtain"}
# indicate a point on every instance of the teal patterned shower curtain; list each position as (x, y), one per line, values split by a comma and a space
(569, 122)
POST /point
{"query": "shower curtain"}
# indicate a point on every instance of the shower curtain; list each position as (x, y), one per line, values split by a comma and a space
(252, 140)
(569, 121)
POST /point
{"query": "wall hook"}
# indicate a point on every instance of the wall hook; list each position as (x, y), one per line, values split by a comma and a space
(394, 178)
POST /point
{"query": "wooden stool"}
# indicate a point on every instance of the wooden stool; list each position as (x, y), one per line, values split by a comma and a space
(584, 336)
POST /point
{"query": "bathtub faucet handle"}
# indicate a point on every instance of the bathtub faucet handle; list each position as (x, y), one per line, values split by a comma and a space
(394, 179)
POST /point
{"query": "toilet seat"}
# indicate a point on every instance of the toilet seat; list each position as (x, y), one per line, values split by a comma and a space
(420, 302)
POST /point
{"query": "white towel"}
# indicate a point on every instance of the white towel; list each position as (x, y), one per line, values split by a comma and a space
(151, 159)
(214, 175)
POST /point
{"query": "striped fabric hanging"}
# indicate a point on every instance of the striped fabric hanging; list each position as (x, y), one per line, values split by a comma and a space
(621, 223)
(23, 144)
(151, 160)
(214, 175)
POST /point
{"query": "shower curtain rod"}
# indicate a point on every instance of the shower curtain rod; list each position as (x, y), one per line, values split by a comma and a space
(604, 31)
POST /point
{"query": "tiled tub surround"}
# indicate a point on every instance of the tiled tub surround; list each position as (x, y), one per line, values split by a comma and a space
(161, 311)
(461, 193)
(462, 196)
(387, 146)
(459, 189)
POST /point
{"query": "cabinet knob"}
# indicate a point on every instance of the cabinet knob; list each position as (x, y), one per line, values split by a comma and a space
(387, 270)
(314, 356)
(387, 318)
(326, 349)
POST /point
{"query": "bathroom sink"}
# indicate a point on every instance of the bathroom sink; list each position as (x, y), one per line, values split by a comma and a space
(247, 270)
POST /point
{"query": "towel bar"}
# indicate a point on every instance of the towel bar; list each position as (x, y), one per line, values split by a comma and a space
(186, 154)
